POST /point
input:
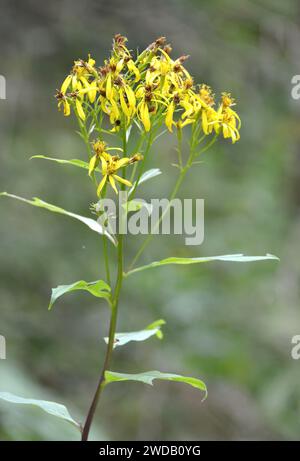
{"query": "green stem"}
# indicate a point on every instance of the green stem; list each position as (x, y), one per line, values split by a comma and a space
(112, 326)
(106, 259)
(150, 237)
(110, 345)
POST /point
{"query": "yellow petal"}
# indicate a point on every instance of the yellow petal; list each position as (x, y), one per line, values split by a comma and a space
(101, 185)
(124, 105)
(91, 61)
(122, 162)
(119, 66)
(92, 95)
(112, 183)
(90, 88)
(104, 165)
(122, 180)
(85, 82)
(115, 113)
(140, 92)
(130, 97)
(80, 111)
(80, 90)
(74, 82)
(169, 116)
(92, 164)
(67, 109)
(204, 122)
(65, 84)
(145, 116)
(188, 109)
(132, 67)
(186, 122)
(236, 116)
(108, 87)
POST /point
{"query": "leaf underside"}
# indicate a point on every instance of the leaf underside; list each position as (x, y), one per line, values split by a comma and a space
(142, 335)
(91, 223)
(152, 173)
(53, 408)
(228, 258)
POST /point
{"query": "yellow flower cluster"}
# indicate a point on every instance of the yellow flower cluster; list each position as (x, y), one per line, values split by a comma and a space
(146, 90)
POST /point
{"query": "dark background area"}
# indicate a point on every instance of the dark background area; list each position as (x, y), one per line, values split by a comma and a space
(229, 324)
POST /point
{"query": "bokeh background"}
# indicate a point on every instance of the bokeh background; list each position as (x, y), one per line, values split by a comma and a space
(229, 324)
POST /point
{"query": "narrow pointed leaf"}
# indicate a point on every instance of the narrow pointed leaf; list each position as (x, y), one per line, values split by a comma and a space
(53, 408)
(228, 258)
(152, 173)
(74, 162)
(100, 289)
(149, 376)
(151, 330)
(91, 223)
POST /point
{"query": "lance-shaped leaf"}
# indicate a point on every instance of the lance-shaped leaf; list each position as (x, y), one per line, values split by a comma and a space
(152, 173)
(154, 329)
(74, 162)
(149, 376)
(229, 258)
(100, 289)
(91, 223)
(53, 408)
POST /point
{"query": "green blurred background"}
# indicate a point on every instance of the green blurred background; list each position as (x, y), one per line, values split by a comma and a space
(229, 324)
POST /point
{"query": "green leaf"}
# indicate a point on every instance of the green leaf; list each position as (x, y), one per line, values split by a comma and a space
(151, 330)
(149, 376)
(100, 289)
(74, 162)
(53, 408)
(152, 173)
(136, 205)
(154, 325)
(173, 260)
(91, 223)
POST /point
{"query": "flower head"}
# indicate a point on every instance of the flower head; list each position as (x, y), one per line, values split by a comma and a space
(145, 90)
(110, 164)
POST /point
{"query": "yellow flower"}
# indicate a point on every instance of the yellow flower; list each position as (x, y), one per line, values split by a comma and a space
(148, 89)
(229, 119)
(62, 101)
(206, 95)
(99, 149)
(81, 71)
(110, 165)
(210, 120)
